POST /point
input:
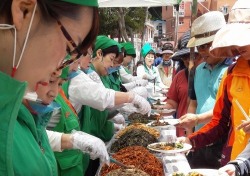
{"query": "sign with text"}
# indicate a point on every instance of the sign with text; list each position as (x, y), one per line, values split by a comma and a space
(181, 10)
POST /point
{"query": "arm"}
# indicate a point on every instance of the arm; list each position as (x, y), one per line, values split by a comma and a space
(192, 106)
(126, 77)
(220, 123)
(79, 140)
(84, 91)
(171, 104)
(59, 141)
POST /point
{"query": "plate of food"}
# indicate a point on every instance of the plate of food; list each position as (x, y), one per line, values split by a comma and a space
(164, 111)
(197, 172)
(169, 148)
(159, 103)
(157, 123)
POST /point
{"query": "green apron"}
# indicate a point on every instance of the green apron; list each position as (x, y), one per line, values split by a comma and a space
(69, 161)
(112, 81)
(24, 146)
(100, 126)
(127, 70)
(85, 126)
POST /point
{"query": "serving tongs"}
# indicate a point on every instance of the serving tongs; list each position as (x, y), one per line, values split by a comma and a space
(119, 163)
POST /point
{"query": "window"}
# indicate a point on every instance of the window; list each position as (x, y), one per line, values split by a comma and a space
(181, 22)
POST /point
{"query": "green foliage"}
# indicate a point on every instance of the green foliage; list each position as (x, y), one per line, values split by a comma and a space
(134, 19)
(108, 21)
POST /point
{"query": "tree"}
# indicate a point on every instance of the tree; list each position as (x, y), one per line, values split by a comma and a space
(122, 22)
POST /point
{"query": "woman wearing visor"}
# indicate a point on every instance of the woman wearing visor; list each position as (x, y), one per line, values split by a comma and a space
(147, 70)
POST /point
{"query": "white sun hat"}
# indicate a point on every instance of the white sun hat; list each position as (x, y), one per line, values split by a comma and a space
(235, 36)
(205, 27)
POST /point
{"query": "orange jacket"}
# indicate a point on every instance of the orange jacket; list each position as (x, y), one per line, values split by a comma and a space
(226, 115)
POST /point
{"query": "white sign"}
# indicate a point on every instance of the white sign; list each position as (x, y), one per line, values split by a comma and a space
(181, 10)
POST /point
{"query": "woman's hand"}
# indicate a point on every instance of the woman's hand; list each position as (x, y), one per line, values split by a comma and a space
(227, 170)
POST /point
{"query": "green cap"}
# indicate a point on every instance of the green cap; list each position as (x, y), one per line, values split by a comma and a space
(119, 47)
(92, 3)
(103, 42)
(146, 49)
(129, 48)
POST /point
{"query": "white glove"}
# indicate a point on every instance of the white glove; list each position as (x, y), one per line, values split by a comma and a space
(91, 145)
(133, 84)
(119, 119)
(141, 82)
(142, 91)
(118, 127)
(141, 104)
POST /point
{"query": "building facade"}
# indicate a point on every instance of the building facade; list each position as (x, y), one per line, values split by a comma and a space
(185, 15)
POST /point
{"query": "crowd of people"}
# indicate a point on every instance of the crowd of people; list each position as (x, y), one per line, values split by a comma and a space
(64, 88)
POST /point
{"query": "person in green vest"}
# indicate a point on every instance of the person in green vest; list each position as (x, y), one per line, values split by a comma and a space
(33, 43)
(66, 139)
(118, 79)
(112, 80)
(129, 55)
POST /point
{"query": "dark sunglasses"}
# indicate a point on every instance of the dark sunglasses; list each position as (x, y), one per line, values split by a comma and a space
(75, 54)
(205, 46)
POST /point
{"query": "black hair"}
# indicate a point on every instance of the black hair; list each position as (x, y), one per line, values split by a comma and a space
(111, 49)
(132, 55)
(51, 10)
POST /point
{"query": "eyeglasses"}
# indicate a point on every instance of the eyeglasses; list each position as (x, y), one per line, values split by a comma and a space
(75, 54)
(205, 46)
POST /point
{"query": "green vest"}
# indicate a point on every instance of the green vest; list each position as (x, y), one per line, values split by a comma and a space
(127, 70)
(112, 81)
(85, 126)
(24, 146)
(69, 161)
(95, 122)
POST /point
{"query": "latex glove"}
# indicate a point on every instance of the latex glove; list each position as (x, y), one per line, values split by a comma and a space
(227, 170)
(118, 119)
(118, 127)
(91, 145)
(141, 82)
(141, 104)
(133, 84)
(142, 91)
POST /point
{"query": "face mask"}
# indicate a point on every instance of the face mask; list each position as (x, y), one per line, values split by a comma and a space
(89, 71)
(32, 96)
(166, 63)
(40, 108)
(8, 26)
(113, 69)
(73, 74)
(85, 70)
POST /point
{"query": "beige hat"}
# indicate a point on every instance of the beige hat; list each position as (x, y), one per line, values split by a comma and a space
(230, 39)
(205, 27)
